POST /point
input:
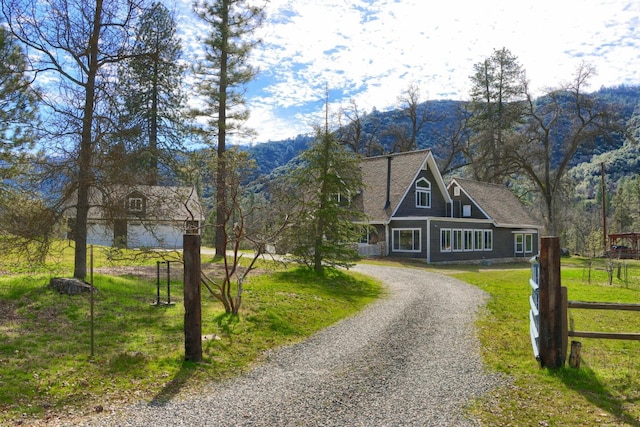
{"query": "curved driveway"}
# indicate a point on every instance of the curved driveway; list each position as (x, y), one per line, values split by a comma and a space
(410, 359)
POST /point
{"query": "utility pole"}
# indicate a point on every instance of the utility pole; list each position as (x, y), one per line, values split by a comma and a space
(604, 210)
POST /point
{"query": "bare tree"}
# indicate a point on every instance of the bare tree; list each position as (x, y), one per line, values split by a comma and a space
(245, 224)
(558, 124)
(76, 45)
(359, 131)
(412, 117)
(453, 142)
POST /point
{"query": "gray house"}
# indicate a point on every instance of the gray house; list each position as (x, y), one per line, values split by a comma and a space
(412, 213)
(141, 216)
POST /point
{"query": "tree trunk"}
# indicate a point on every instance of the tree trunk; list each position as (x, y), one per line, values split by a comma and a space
(85, 156)
(220, 240)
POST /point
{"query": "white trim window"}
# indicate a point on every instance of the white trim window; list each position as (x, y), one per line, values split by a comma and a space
(523, 243)
(488, 240)
(468, 240)
(406, 240)
(423, 193)
(445, 240)
(528, 243)
(477, 240)
(465, 240)
(135, 204)
(457, 240)
(466, 210)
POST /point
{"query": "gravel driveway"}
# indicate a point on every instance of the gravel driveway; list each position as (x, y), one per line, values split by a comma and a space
(410, 359)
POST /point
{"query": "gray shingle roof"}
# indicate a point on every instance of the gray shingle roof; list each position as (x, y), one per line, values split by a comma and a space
(164, 203)
(499, 203)
(404, 168)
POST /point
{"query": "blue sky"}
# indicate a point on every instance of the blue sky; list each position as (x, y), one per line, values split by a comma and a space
(370, 51)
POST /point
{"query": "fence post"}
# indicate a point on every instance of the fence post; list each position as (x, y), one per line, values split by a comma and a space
(192, 302)
(552, 317)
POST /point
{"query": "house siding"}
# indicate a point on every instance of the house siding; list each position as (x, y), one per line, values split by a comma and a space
(437, 255)
(407, 207)
(409, 225)
(462, 200)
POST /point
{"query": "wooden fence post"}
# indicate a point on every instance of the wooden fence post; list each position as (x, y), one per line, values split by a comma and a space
(192, 301)
(552, 318)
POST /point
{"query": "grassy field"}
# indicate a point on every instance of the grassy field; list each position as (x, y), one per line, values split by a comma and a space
(46, 367)
(47, 370)
(604, 391)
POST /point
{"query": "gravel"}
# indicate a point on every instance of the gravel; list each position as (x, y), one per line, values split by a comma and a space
(409, 359)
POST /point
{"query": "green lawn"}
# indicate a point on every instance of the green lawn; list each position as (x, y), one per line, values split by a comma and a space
(46, 366)
(604, 391)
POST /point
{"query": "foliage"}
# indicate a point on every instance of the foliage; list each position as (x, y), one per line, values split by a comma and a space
(222, 73)
(626, 201)
(75, 45)
(323, 232)
(47, 372)
(18, 107)
(497, 107)
(151, 87)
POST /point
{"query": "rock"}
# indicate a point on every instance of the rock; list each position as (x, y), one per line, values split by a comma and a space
(69, 286)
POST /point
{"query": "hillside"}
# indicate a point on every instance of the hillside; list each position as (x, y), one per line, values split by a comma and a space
(436, 132)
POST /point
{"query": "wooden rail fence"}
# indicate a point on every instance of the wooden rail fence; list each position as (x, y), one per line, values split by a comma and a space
(549, 311)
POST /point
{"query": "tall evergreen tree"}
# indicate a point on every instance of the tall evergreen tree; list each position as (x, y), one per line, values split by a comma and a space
(18, 106)
(223, 73)
(497, 105)
(324, 184)
(151, 83)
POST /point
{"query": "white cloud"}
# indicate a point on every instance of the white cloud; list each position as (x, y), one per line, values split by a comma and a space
(372, 50)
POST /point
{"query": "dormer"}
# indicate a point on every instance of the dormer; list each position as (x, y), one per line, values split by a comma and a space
(135, 203)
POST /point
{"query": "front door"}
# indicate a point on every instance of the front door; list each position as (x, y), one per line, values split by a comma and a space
(120, 233)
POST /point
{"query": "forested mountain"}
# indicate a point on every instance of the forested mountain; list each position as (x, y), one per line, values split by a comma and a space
(441, 120)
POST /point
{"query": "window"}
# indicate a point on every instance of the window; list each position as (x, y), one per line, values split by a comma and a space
(519, 243)
(406, 240)
(488, 240)
(456, 191)
(523, 243)
(468, 240)
(445, 240)
(343, 199)
(528, 243)
(423, 193)
(466, 210)
(477, 240)
(135, 204)
(457, 240)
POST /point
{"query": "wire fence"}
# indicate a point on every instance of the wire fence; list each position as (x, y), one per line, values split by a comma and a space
(613, 272)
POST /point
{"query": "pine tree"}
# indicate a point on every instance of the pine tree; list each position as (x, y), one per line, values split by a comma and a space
(151, 83)
(223, 73)
(18, 106)
(497, 95)
(325, 183)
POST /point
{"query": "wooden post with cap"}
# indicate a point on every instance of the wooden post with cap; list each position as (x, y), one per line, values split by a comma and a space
(192, 301)
(552, 302)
